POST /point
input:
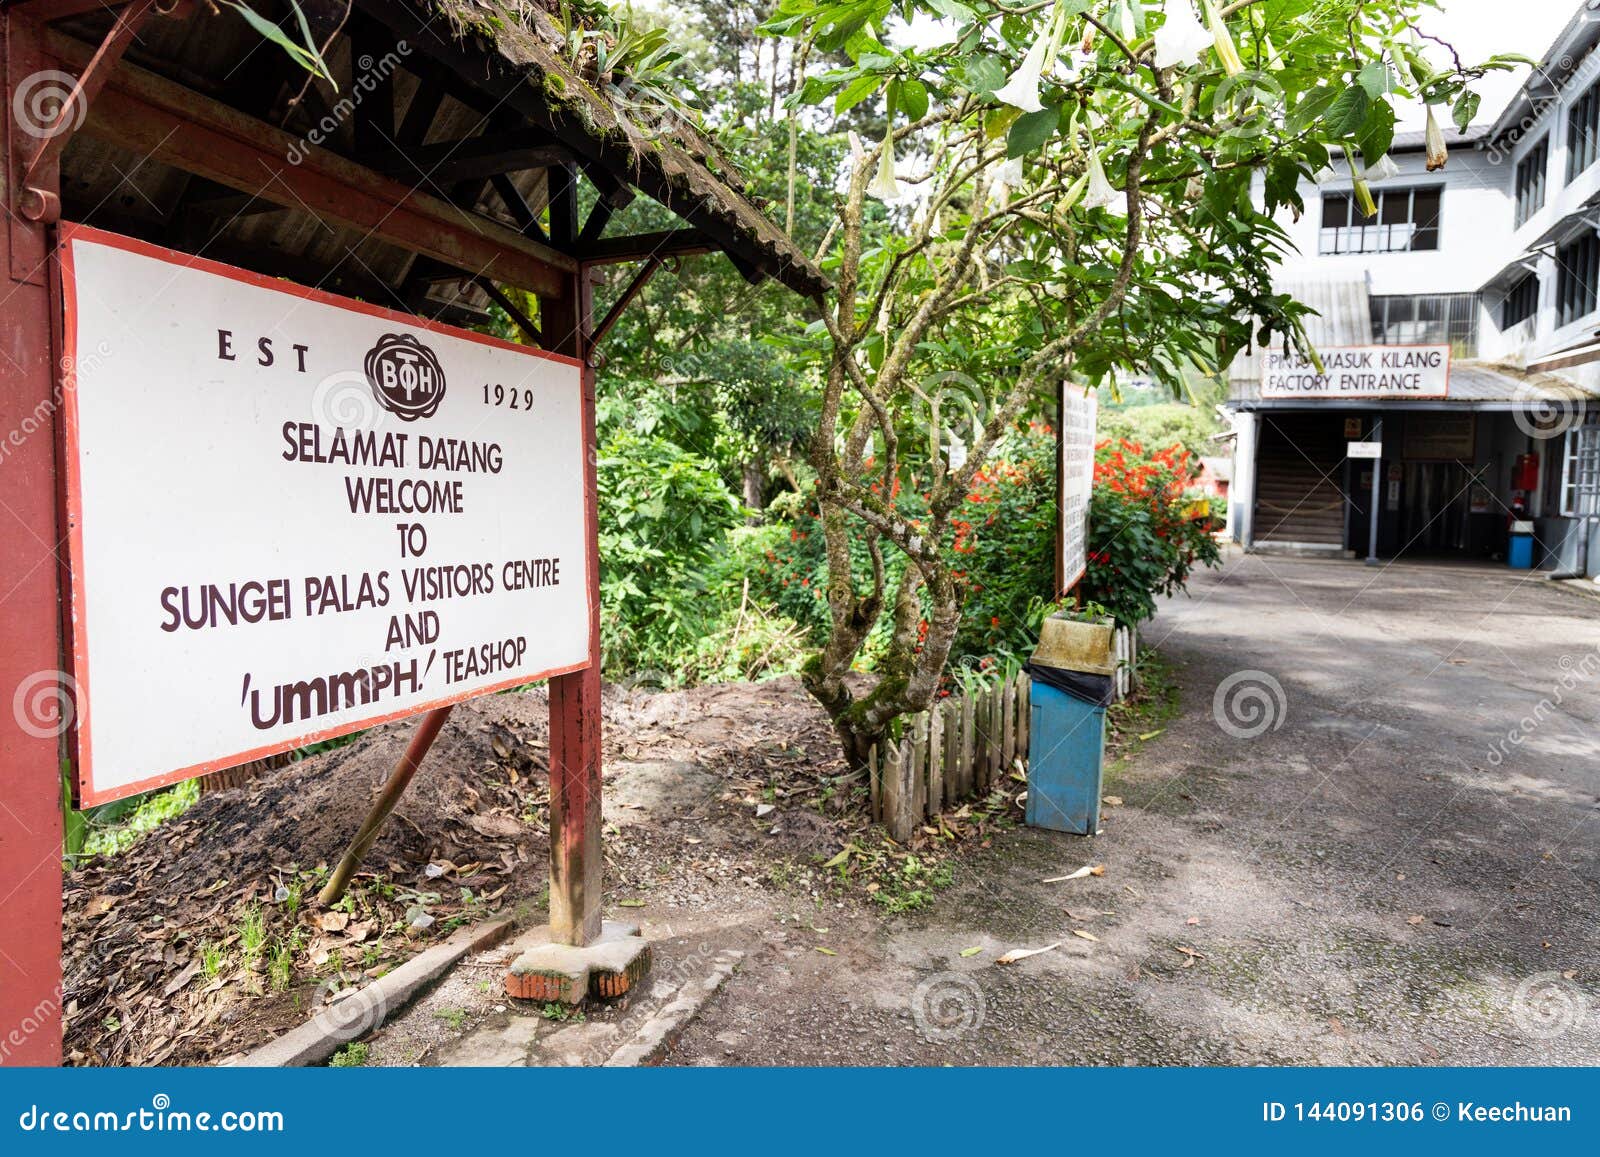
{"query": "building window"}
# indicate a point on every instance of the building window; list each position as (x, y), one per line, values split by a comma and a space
(1583, 131)
(1521, 301)
(1577, 264)
(1580, 473)
(1432, 319)
(1406, 220)
(1530, 180)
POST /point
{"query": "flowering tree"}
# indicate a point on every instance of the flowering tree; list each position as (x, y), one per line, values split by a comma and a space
(1062, 187)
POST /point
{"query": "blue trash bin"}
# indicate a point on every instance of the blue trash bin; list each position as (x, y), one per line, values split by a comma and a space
(1066, 755)
(1519, 553)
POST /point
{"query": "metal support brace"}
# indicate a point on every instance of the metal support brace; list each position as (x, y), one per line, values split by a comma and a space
(41, 145)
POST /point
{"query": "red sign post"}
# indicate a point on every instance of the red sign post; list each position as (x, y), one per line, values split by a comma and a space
(31, 551)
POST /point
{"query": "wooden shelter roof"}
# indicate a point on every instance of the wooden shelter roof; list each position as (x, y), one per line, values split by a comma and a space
(469, 113)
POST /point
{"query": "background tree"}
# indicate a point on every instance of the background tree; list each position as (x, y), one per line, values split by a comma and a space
(1068, 187)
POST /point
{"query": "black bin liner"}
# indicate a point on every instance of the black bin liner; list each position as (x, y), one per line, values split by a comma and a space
(1095, 690)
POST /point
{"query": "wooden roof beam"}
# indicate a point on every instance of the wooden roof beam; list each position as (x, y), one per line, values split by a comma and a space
(644, 246)
(182, 128)
(511, 89)
(488, 155)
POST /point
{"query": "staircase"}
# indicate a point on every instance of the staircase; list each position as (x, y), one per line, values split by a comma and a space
(1299, 469)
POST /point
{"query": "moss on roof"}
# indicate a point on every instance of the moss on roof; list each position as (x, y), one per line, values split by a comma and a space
(646, 143)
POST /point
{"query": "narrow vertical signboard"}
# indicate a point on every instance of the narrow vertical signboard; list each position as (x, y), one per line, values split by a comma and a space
(1075, 479)
(292, 515)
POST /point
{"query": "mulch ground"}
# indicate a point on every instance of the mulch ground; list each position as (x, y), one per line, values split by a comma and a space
(205, 939)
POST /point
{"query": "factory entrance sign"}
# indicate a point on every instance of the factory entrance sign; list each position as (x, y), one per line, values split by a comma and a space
(1393, 372)
(293, 515)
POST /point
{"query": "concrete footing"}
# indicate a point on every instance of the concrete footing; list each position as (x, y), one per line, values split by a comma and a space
(606, 969)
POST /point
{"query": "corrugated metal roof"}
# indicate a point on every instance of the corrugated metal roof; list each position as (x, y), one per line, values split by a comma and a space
(1474, 381)
(1412, 141)
(1343, 317)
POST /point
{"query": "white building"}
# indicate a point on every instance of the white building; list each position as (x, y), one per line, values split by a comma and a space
(1497, 256)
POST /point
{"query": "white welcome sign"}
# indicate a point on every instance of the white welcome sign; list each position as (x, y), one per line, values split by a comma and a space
(292, 515)
(1079, 409)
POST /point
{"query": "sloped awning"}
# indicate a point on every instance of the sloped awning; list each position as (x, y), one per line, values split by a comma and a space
(424, 181)
(661, 153)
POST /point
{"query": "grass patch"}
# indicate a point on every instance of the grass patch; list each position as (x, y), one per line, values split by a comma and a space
(352, 1056)
(1134, 721)
(151, 811)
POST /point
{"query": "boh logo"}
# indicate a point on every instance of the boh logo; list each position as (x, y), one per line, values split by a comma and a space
(406, 376)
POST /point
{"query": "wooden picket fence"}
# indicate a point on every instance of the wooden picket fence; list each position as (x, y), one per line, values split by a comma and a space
(965, 746)
(959, 749)
(1125, 649)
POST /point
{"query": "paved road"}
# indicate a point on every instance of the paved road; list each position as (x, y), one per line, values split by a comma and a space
(1380, 849)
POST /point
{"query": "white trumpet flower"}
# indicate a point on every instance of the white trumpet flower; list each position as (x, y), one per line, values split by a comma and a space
(884, 186)
(1384, 170)
(1227, 52)
(1434, 138)
(1021, 89)
(1181, 39)
(1100, 193)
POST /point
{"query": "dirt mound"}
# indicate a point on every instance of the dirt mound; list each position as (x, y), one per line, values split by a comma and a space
(204, 939)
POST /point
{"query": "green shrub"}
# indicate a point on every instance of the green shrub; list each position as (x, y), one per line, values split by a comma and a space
(664, 514)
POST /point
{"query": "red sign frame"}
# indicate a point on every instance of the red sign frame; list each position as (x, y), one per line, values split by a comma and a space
(75, 624)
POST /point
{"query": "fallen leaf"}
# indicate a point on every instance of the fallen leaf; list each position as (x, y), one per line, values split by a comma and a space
(825, 951)
(763, 809)
(182, 978)
(1112, 801)
(1151, 734)
(333, 921)
(630, 903)
(494, 826)
(973, 951)
(841, 858)
(1570, 974)
(1414, 919)
(1082, 935)
(1086, 870)
(1017, 954)
(1082, 913)
(1334, 1023)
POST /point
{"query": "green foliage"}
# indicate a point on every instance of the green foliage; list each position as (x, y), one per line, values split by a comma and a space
(662, 512)
(114, 828)
(303, 51)
(1005, 547)
(352, 1056)
(252, 934)
(1163, 424)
